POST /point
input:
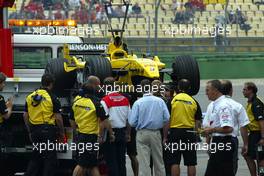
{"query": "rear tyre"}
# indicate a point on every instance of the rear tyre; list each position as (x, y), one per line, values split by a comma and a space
(186, 67)
(64, 81)
(97, 66)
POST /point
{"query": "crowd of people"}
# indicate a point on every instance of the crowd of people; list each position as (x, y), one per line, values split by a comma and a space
(84, 11)
(239, 18)
(184, 13)
(151, 126)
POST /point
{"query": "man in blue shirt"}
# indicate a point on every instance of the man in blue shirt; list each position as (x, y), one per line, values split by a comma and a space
(149, 114)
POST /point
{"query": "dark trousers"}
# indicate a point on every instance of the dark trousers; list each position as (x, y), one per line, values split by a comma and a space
(235, 154)
(220, 162)
(115, 153)
(42, 162)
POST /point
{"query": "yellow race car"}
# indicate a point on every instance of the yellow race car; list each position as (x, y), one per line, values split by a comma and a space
(113, 59)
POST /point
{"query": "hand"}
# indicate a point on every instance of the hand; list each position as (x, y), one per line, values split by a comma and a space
(100, 140)
(244, 150)
(261, 142)
(207, 131)
(9, 103)
(112, 138)
(165, 141)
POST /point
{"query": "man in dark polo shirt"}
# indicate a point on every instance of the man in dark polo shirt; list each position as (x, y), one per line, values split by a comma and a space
(255, 112)
(185, 115)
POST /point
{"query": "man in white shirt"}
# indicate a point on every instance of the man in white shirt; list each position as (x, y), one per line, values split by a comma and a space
(221, 127)
(240, 122)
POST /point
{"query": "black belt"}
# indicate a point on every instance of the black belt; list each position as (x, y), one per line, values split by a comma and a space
(222, 137)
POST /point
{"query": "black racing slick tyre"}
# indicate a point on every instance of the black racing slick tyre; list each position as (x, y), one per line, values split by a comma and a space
(98, 66)
(64, 81)
(186, 67)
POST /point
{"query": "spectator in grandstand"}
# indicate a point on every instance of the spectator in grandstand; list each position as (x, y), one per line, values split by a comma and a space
(75, 15)
(30, 9)
(58, 5)
(58, 15)
(179, 16)
(14, 15)
(231, 17)
(73, 4)
(242, 21)
(99, 9)
(188, 14)
(197, 5)
(129, 11)
(40, 14)
(174, 6)
(47, 4)
(137, 10)
(218, 36)
(118, 12)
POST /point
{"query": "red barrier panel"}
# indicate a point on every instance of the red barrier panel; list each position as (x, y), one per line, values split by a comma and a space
(6, 52)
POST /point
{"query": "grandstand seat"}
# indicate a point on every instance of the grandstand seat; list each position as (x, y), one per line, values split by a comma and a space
(244, 7)
(132, 20)
(218, 7)
(241, 33)
(211, 20)
(212, 1)
(206, 2)
(115, 21)
(251, 33)
(255, 19)
(205, 14)
(253, 7)
(148, 7)
(259, 33)
(210, 7)
(233, 33)
(259, 14)
(261, 7)
(255, 25)
(141, 20)
(248, 1)
(235, 6)
(133, 33)
(250, 14)
(223, 2)
(239, 2)
(131, 26)
(203, 20)
(213, 14)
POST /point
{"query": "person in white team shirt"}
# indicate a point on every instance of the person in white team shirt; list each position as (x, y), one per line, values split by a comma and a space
(117, 106)
(240, 122)
(221, 127)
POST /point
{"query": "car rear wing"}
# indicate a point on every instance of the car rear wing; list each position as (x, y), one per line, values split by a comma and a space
(87, 48)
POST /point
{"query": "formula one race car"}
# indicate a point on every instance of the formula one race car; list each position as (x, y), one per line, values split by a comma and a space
(113, 59)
